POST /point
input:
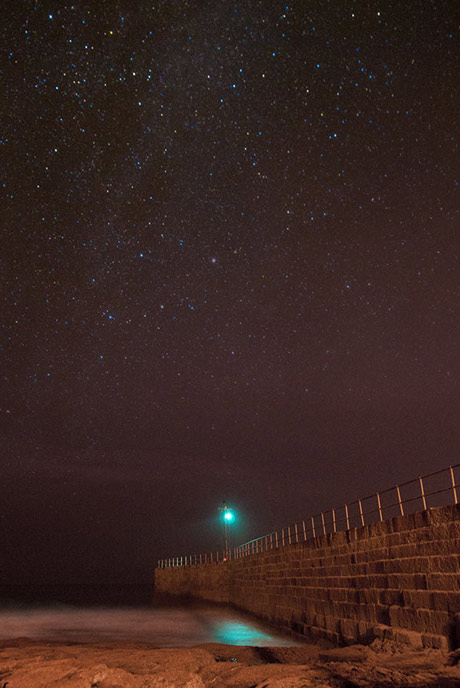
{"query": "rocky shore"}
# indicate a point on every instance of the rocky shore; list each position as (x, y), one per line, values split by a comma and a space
(28, 664)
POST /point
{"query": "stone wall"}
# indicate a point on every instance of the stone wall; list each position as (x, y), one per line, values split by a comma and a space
(399, 579)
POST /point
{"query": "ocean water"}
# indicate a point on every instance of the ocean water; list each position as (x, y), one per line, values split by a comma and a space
(88, 615)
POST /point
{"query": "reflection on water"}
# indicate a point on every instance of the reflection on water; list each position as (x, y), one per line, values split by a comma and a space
(180, 626)
(235, 633)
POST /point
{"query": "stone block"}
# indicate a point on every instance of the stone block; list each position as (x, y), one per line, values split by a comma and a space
(376, 581)
(449, 563)
(391, 596)
(403, 636)
(443, 581)
(382, 614)
(445, 601)
(368, 595)
(348, 628)
(406, 581)
(410, 564)
(417, 599)
(421, 620)
(444, 514)
(437, 642)
(365, 632)
(332, 624)
(338, 594)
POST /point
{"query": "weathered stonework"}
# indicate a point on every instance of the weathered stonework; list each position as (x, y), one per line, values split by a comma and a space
(398, 579)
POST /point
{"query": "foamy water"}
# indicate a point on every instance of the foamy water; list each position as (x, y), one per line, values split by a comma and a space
(163, 627)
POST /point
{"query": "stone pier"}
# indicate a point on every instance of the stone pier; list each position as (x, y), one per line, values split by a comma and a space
(397, 579)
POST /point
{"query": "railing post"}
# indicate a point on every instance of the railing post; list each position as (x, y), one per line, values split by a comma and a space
(380, 506)
(271, 540)
(304, 531)
(313, 526)
(289, 535)
(346, 517)
(423, 493)
(296, 533)
(334, 525)
(266, 542)
(324, 524)
(276, 539)
(282, 537)
(454, 487)
(401, 508)
(361, 512)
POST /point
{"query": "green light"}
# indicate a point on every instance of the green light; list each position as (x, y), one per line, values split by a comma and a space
(228, 516)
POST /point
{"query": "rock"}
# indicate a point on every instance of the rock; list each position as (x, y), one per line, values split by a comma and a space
(125, 665)
(352, 653)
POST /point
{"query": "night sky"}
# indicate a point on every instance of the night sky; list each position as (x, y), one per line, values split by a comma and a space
(229, 269)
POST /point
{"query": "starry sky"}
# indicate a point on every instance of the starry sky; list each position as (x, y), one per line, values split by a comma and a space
(229, 270)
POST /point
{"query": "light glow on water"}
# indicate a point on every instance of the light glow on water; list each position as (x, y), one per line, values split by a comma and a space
(164, 627)
(235, 633)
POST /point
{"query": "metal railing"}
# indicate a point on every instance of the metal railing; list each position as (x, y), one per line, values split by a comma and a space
(414, 495)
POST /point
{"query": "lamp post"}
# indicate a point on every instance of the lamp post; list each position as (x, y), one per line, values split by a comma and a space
(227, 518)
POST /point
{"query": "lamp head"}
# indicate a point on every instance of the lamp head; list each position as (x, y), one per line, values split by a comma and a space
(228, 516)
